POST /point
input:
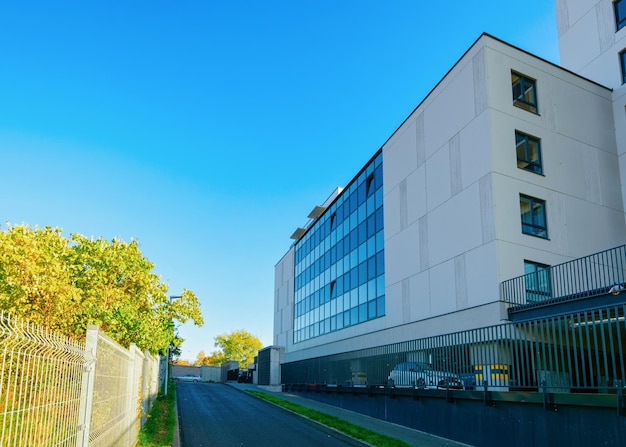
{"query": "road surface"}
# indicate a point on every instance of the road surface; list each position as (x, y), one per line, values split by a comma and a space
(216, 415)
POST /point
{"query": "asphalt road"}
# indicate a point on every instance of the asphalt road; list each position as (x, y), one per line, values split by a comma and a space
(221, 416)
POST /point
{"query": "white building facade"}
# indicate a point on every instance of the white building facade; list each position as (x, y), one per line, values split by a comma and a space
(592, 42)
(510, 165)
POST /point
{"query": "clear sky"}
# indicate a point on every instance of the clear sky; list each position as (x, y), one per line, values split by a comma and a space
(208, 130)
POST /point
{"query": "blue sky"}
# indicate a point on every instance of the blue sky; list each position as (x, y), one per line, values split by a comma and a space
(209, 130)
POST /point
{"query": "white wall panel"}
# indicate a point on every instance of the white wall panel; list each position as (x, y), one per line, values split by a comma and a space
(400, 155)
(584, 115)
(455, 227)
(476, 150)
(442, 288)
(284, 299)
(420, 296)
(482, 275)
(402, 255)
(438, 178)
(391, 211)
(607, 177)
(449, 109)
(416, 195)
(579, 45)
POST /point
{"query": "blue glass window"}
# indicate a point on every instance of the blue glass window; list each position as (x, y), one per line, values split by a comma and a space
(339, 262)
(537, 281)
(619, 7)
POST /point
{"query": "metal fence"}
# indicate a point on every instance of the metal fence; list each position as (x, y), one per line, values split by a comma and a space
(579, 352)
(55, 391)
(596, 274)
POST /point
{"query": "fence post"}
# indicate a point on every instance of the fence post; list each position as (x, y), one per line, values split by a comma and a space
(620, 398)
(145, 387)
(486, 393)
(131, 405)
(86, 388)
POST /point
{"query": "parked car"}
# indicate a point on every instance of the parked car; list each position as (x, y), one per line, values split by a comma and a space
(421, 375)
(468, 379)
(188, 378)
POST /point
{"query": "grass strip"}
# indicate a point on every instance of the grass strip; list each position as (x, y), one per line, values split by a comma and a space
(158, 431)
(363, 434)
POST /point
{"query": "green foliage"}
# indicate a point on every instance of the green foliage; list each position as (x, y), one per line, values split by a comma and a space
(158, 431)
(354, 431)
(239, 345)
(66, 284)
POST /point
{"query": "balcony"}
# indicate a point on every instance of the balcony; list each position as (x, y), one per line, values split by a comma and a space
(585, 283)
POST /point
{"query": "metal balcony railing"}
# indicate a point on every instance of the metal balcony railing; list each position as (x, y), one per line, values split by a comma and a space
(597, 274)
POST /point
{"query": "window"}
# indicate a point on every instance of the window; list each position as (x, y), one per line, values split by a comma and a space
(524, 92)
(533, 212)
(619, 7)
(343, 244)
(369, 182)
(528, 153)
(622, 60)
(537, 281)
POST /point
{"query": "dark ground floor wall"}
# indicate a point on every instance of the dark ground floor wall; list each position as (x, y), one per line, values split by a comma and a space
(518, 419)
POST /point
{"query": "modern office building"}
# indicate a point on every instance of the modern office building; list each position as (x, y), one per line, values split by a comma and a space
(510, 165)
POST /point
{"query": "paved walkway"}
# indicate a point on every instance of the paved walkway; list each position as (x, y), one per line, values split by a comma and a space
(410, 436)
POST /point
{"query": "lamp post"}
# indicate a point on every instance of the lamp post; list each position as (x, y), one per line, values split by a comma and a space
(167, 365)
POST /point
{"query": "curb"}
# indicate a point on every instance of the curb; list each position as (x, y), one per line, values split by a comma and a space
(176, 441)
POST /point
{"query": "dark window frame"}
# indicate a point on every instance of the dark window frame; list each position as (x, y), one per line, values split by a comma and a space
(538, 282)
(538, 226)
(622, 63)
(369, 183)
(522, 88)
(526, 161)
(620, 19)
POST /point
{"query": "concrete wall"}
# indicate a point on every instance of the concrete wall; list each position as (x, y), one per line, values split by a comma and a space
(211, 373)
(515, 422)
(284, 299)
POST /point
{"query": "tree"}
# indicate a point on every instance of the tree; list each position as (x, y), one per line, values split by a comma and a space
(216, 358)
(240, 346)
(66, 284)
(181, 362)
(199, 359)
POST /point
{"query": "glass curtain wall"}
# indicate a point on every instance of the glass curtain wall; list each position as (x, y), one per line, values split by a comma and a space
(340, 268)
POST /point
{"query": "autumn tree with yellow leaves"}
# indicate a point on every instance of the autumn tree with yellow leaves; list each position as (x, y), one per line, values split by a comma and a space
(66, 284)
(239, 345)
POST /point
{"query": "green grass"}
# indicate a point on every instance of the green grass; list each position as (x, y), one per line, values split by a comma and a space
(158, 431)
(338, 424)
